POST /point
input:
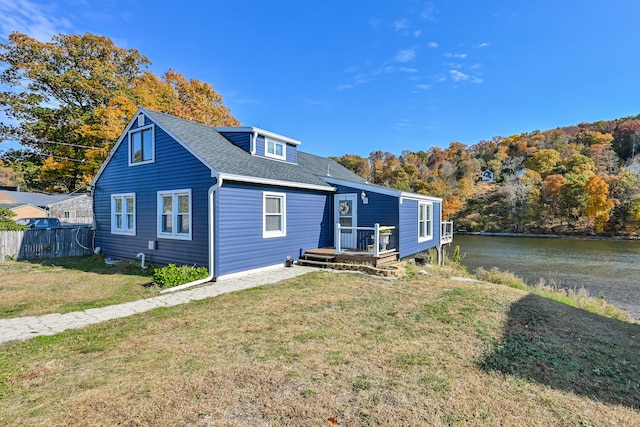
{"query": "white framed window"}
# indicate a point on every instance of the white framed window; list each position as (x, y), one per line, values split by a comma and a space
(174, 214)
(123, 214)
(274, 148)
(69, 214)
(425, 221)
(274, 215)
(141, 146)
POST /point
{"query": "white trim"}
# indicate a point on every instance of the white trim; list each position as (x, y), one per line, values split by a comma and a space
(174, 214)
(123, 230)
(348, 240)
(275, 143)
(248, 272)
(265, 133)
(283, 215)
(380, 190)
(124, 135)
(429, 207)
(274, 182)
(142, 129)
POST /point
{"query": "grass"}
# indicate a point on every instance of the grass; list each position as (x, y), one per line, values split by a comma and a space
(68, 284)
(334, 349)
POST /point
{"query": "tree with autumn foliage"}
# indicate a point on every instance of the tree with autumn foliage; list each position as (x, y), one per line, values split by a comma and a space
(597, 202)
(73, 96)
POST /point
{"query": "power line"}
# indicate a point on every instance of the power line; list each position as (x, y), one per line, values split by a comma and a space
(69, 144)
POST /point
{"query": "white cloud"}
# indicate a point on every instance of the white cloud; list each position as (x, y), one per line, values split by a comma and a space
(429, 12)
(432, 45)
(403, 124)
(423, 86)
(406, 55)
(458, 76)
(481, 45)
(417, 33)
(36, 21)
(409, 70)
(400, 24)
(455, 55)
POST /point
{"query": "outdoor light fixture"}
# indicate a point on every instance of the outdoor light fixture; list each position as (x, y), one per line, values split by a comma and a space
(364, 198)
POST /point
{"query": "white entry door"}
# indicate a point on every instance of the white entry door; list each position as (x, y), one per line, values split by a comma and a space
(346, 214)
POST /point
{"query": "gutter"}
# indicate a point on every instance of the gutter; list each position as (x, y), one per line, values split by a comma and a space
(211, 276)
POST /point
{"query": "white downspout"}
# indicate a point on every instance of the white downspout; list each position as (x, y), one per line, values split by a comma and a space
(210, 277)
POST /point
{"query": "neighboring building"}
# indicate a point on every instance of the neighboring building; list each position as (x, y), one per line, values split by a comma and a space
(242, 198)
(487, 176)
(24, 210)
(69, 208)
(76, 209)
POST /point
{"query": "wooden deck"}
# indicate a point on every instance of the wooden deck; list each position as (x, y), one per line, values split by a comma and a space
(321, 257)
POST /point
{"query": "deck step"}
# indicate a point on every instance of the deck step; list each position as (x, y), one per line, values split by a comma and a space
(311, 263)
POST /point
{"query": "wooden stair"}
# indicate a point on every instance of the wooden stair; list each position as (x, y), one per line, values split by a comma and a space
(316, 259)
(322, 257)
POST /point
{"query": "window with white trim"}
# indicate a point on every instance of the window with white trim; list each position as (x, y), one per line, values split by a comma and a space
(274, 148)
(425, 221)
(141, 146)
(123, 214)
(174, 214)
(274, 215)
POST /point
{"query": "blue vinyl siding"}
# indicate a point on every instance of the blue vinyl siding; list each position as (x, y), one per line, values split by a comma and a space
(381, 208)
(241, 139)
(239, 242)
(387, 210)
(291, 150)
(174, 168)
(409, 228)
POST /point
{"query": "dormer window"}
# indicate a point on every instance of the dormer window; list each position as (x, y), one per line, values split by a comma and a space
(141, 146)
(276, 149)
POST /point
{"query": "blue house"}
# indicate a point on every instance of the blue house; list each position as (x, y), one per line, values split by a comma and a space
(235, 199)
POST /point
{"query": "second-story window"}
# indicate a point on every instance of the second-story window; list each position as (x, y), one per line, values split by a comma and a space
(275, 149)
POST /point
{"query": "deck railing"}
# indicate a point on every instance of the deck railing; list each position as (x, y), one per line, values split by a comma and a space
(446, 232)
(363, 239)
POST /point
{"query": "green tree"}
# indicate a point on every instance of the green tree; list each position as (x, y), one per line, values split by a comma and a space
(544, 161)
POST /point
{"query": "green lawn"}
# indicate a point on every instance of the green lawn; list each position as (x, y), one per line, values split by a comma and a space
(69, 284)
(335, 349)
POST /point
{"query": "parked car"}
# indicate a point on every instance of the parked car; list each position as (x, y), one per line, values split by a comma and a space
(40, 223)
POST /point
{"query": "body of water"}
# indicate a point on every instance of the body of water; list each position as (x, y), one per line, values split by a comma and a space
(603, 267)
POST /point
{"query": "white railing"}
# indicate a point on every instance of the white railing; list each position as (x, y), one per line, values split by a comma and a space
(446, 232)
(363, 239)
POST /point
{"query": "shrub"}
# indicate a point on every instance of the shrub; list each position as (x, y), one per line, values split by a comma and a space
(173, 275)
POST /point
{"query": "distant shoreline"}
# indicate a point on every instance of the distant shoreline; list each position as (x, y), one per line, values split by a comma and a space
(546, 236)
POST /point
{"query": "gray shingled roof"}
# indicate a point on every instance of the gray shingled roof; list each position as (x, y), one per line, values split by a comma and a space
(226, 158)
(37, 199)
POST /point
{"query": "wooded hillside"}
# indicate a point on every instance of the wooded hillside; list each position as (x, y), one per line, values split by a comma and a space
(576, 180)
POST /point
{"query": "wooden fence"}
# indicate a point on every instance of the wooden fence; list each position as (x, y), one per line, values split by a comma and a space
(40, 244)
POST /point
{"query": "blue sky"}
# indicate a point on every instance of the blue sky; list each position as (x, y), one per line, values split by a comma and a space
(365, 75)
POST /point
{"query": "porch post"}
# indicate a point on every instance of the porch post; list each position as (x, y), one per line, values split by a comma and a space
(337, 238)
(376, 233)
